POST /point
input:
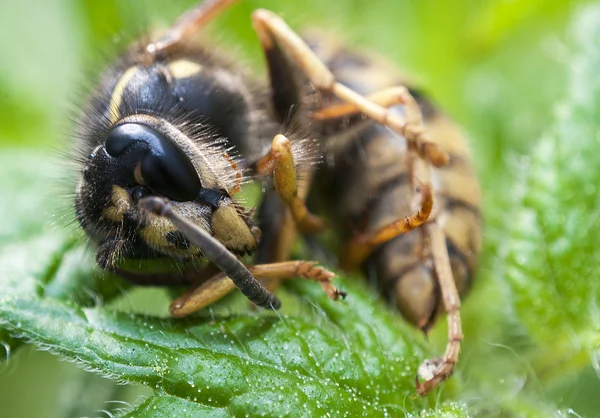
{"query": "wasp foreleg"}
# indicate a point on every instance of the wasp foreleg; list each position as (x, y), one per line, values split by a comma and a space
(215, 252)
(279, 163)
(220, 285)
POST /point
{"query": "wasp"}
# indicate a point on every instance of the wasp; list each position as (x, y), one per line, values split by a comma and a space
(172, 132)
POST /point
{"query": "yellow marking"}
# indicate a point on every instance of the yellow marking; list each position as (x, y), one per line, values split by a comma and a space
(155, 236)
(184, 68)
(117, 97)
(120, 205)
(231, 229)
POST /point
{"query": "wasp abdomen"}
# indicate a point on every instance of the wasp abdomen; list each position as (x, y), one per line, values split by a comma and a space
(367, 185)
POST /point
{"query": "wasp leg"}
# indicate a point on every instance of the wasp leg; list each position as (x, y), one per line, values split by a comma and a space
(271, 29)
(279, 163)
(437, 370)
(220, 285)
(278, 225)
(361, 246)
(202, 296)
(187, 24)
(299, 268)
(215, 252)
(385, 98)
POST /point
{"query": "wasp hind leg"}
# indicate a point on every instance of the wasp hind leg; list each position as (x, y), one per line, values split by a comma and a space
(439, 369)
(361, 246)
(399, 95)
(274, 35)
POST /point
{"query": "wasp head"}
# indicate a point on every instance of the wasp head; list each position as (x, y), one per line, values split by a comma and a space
(141, 156)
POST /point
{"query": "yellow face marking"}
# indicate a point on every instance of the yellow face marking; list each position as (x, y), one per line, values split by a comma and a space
(121, 202)
(184, 68)
(155, 236)
(155, 233)
(117, 97)
(231, 229)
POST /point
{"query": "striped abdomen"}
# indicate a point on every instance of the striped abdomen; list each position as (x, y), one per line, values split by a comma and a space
(366, 185)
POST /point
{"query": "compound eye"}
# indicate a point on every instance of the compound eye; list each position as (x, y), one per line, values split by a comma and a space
(165, 168)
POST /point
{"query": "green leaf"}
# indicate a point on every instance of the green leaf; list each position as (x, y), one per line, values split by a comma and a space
(538, 330)
(350, 358)
(530, 320)
(163, 405)
(552, 257)
(317, 356)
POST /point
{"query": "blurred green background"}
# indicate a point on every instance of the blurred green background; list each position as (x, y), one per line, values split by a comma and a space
(498, 67)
